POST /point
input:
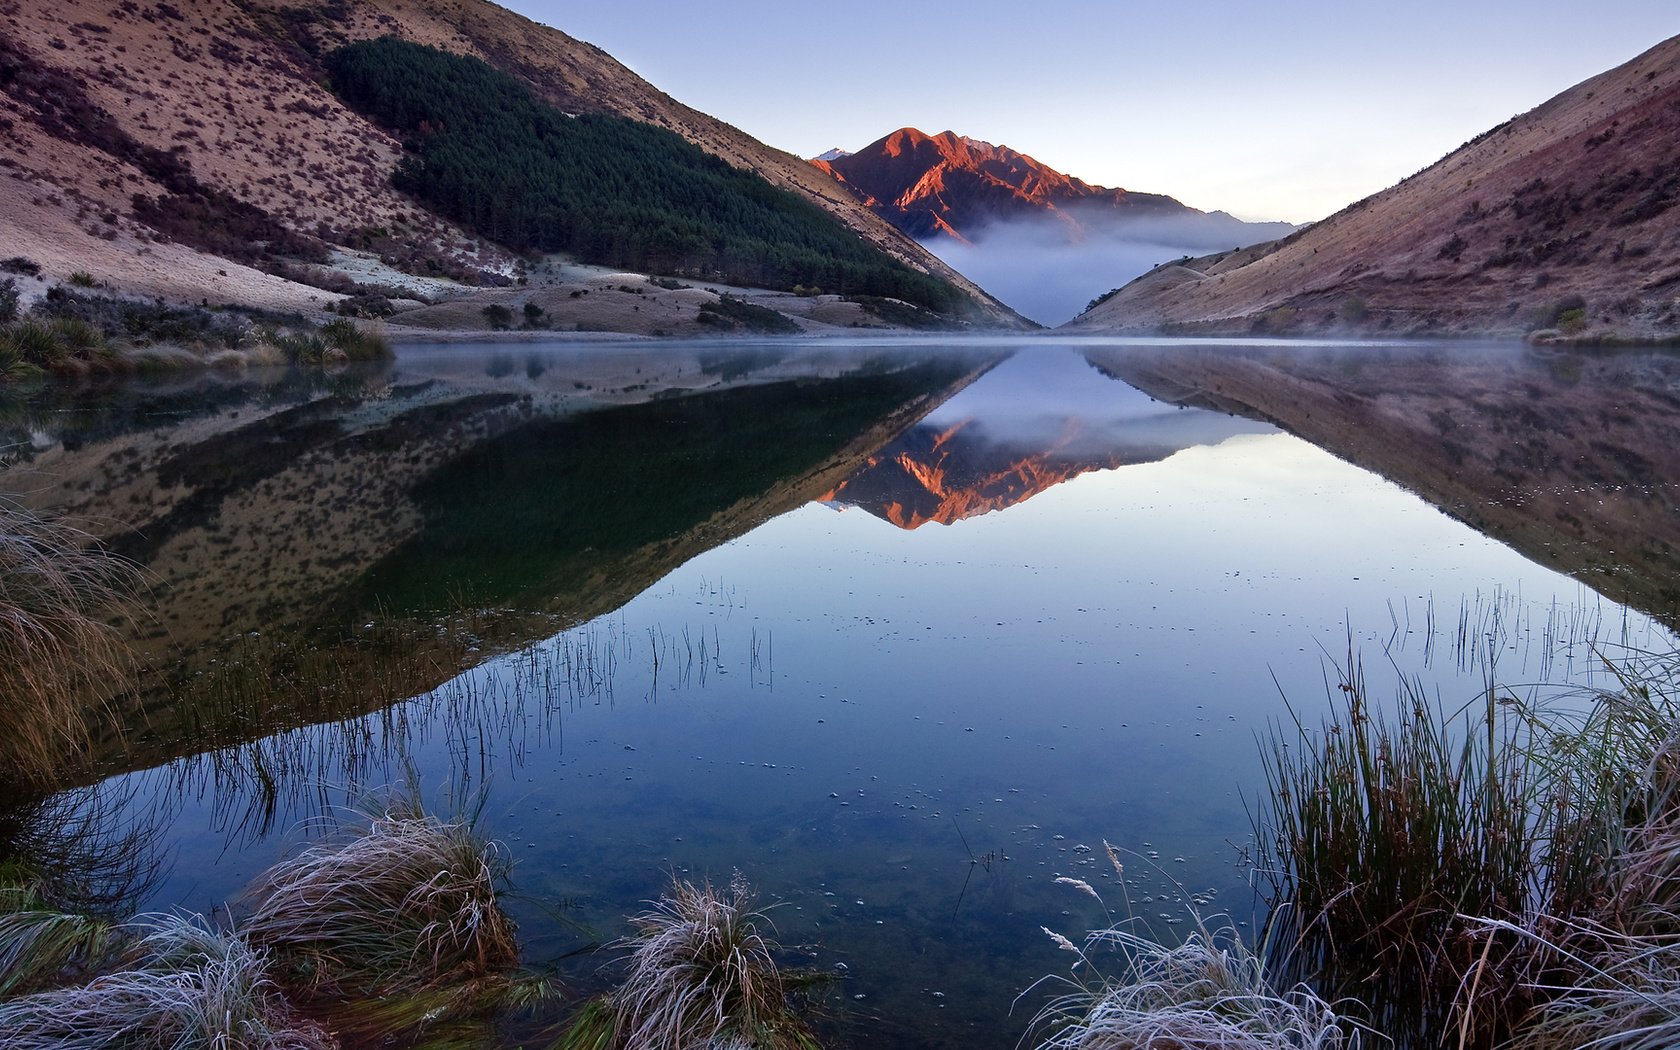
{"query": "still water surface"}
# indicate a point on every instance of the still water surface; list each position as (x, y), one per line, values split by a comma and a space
(901, 682)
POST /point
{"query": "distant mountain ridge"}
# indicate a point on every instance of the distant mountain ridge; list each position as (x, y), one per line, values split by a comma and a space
(1042, 241)
(950, 185)
(1563, 219)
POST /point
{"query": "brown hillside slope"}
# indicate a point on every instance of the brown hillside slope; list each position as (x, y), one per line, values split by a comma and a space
(1569, 206)
(102, 102)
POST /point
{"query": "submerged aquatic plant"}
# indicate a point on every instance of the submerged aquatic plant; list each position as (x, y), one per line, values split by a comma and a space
(701, 975)
(393, 928)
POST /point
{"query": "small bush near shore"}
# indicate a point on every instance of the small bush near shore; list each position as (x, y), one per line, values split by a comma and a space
(72, 332)
(901, 314)
(730, 313)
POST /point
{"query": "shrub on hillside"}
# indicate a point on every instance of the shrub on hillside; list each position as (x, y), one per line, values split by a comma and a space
(730, 313)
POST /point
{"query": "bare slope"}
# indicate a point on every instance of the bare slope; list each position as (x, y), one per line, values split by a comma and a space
(1562, 217)
(133, 131)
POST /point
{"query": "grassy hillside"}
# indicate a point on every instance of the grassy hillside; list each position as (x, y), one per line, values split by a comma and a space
(484, 151)
(1561, 223)
(196, 152)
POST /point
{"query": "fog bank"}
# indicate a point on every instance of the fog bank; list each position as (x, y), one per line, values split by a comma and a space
(1050, 270)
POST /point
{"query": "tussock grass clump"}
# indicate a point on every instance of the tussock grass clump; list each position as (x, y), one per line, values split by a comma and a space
(391, 928)
(181, 986)
(701, 974)
(66, 345)
(1616, 982)
(59, 655)
(380, 937)
(1209, 993)
(334, 342)
(1610, 990)
(40, 946)
(357, 342)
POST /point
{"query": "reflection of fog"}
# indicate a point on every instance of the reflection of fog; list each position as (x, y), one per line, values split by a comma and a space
(1046, 399)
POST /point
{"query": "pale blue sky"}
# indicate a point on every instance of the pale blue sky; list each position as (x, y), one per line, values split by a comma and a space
(1282, 110)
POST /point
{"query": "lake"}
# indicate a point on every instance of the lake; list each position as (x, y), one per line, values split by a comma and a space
(902, 631)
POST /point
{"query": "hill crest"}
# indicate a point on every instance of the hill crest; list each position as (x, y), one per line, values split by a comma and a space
(1562, 218)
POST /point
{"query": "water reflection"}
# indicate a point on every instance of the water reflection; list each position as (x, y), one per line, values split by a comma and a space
(622, 613)
(1572, 457)
(1033, 422)
(320, 549)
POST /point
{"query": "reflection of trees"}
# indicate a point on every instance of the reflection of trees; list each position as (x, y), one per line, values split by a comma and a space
(511, 525)
(288, 670)
(90, 851)
(105, 408)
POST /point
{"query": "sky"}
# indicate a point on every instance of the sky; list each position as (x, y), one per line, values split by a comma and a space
(1287, 109)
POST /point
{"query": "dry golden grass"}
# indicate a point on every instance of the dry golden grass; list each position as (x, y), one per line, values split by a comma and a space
(60, 655)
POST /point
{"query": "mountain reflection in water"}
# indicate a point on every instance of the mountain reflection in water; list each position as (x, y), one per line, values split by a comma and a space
(1033, 422)
(598, 586)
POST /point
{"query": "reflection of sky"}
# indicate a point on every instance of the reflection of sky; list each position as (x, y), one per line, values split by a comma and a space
(1028, 402)
(848, 712)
